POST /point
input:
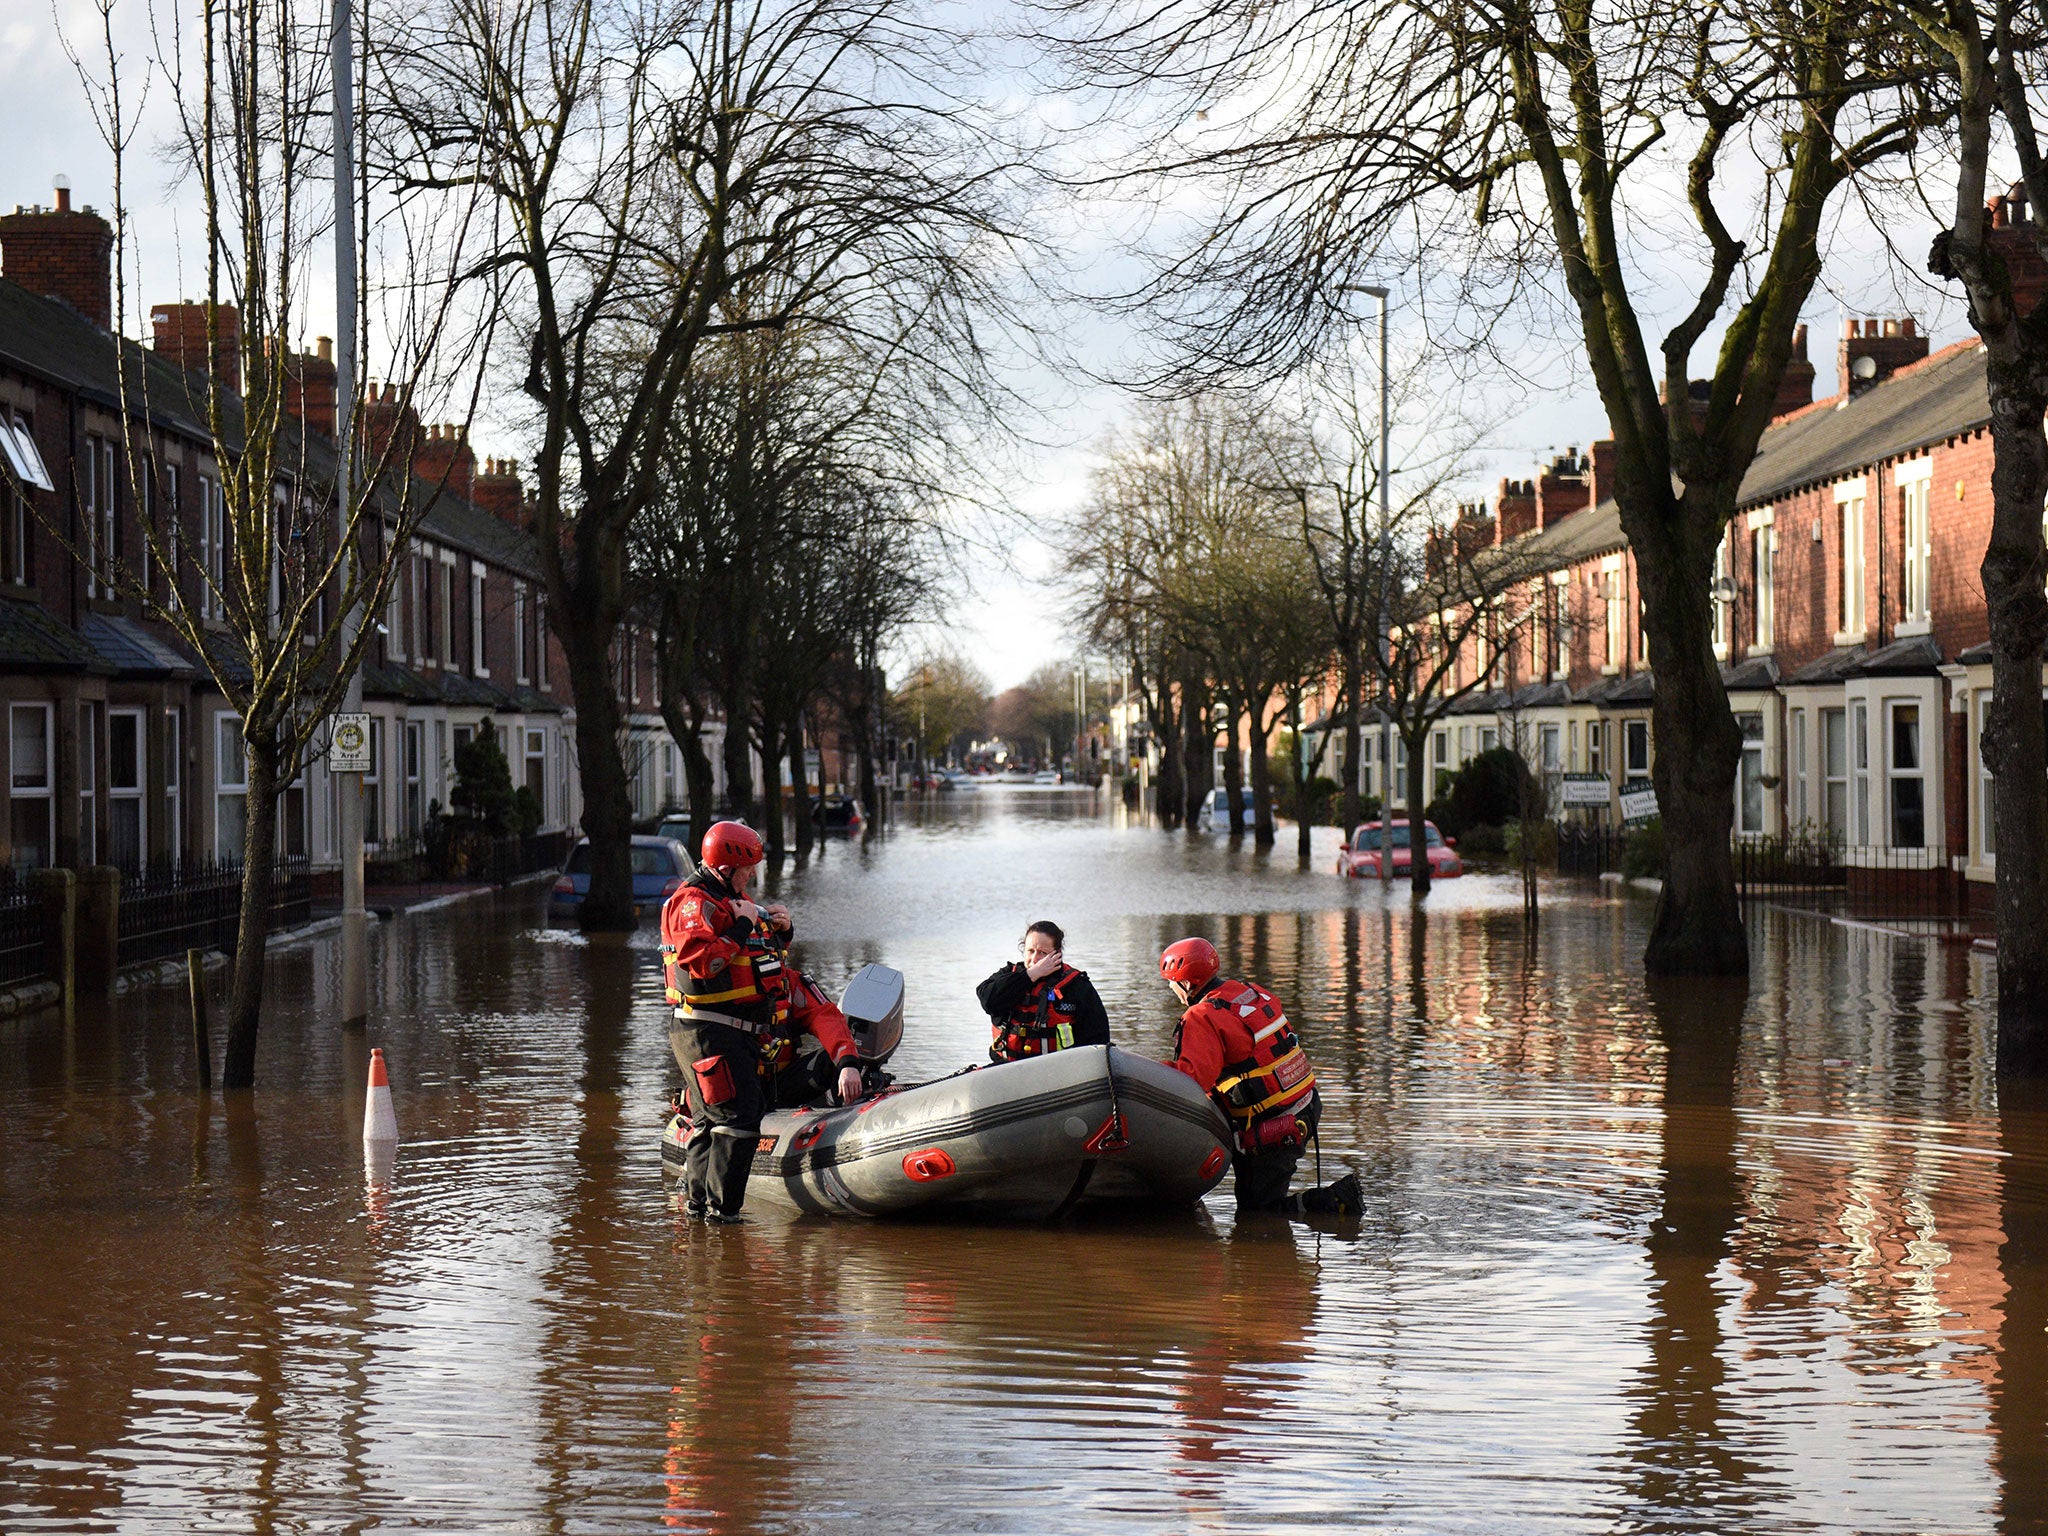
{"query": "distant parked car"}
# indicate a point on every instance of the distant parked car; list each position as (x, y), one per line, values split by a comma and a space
(1361, 861)
(659, 866)
(838, 813)
(677, 829)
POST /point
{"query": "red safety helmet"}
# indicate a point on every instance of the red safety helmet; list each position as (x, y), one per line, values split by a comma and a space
(1191, 962)
(728, 844)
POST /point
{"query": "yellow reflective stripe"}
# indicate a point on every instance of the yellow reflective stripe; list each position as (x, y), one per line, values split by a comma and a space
(1065, 1032)
(721, 997)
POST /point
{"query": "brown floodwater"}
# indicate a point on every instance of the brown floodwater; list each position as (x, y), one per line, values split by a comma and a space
(1680, 1259)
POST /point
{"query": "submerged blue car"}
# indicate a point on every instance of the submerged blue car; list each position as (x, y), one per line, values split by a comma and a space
(660, 864)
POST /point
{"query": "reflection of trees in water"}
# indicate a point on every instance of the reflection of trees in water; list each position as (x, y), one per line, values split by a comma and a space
(2019, 1396)
(1686, 1474)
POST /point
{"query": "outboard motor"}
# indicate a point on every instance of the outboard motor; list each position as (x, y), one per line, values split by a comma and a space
(873, 1005)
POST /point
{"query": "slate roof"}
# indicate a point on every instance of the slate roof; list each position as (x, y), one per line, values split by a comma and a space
(1623, 692)
(1915, 656)
(131, 650)
(33, 641)
(1975, 655)
(384, 681)
(457, 689)
(1755, 675)
(1831, 668)
(1927, 403)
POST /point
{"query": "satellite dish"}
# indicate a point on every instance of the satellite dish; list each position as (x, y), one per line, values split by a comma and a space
(1864, 367)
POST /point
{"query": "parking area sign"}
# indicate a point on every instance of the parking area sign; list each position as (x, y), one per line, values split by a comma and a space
(348, 745)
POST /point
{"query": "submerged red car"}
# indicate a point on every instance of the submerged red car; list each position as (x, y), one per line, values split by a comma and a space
(1361, 861)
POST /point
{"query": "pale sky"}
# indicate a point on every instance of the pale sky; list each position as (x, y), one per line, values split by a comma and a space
(1008, 623)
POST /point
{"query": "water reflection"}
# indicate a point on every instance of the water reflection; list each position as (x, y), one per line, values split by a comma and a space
(1631, 1259)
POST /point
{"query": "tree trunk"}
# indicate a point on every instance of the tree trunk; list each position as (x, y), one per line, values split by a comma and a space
(1198, 750)
(1698, 928)
(739, 768)
(1354, 739)
(1260, 739)
(771, 791)
(871, 797)
(1418, 839)
(698, 776)
(1169, 790)
(2014, 744)
(252, 933)
(1297, 767)
(607, 802)
(800, 790)
(1233, 770)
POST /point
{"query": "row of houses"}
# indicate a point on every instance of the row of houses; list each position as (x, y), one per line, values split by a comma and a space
(1849, 620)
(119, 745)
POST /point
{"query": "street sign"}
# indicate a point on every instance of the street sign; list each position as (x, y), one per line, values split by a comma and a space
(1586, 789)
(348, 745)
(1639, 804)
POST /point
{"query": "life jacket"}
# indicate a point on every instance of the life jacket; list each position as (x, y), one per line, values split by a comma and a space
(749, 989)
(1274, 1078)
(1042, 1021)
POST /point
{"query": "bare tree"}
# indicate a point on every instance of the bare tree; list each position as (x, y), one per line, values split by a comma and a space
(261, 589)
(1497, 148)
(1995, 50)
(649, 162)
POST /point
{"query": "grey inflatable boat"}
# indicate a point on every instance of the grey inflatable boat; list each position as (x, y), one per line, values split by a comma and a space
(1027, 1140)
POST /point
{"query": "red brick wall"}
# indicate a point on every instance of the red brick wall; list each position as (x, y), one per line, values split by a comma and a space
(64, 254)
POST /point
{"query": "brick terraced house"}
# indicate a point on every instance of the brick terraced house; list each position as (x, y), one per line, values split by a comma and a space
(120, 748)
(1850, 623)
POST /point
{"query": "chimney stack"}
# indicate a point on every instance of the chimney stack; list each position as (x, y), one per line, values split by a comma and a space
(2014, 232)
(498, 491)
(1795, 390)
(1871, 351)
(179, 334)
(313, 386)
(445, 457)
(1514, 511)
(63, 254)
(1563, 488)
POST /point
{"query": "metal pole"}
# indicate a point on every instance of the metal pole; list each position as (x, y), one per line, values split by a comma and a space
(1385, 639)
(355, 988)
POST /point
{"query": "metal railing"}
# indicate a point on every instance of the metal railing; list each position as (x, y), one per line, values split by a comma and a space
(1588, 851)
(166, 910)
(23, 955)
(513, 858)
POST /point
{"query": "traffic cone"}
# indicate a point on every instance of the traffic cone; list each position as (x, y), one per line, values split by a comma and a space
(380, 1125)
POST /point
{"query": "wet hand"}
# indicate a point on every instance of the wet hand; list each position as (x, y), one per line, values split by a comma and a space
(849, 1085)
(778, 916)
(1044, 966)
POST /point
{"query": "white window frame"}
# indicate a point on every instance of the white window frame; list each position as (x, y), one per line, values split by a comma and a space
(1796, 725)
(1895, 774)
(230, 786)
(394, 599)
(413, 771)
(521, 671)
(537, 752)
(1836, 717)
(422, 596)
(1724, 580)
(21, 794)
(1632, 733)
(213, 529)
(1616, 643)
(22, 453)
(1987, 829)
(1763, 561)
(1916, 546)
(88, 782)
(373, 787)
(540, 646)
(1850, 501)
(137, 794)
(1596, 746)
(477, 631)
(174, 785)
(1749, 775)
(1859, 772)
(1560, 625)
(444, 619)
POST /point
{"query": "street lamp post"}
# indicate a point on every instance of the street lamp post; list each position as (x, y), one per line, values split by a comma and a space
(1379, 292)
(355, 988)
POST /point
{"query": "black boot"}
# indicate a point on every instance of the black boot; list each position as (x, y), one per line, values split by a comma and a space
(1343, 1198)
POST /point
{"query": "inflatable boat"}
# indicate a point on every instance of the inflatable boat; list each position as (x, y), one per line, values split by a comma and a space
(1025, 1140)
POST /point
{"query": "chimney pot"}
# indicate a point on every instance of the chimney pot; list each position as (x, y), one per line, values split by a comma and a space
(324, 347)
(1891, 327)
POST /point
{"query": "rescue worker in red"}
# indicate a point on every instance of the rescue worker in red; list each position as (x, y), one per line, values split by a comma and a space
(1041, 1003)
(1235, 1042)
(740, 1009)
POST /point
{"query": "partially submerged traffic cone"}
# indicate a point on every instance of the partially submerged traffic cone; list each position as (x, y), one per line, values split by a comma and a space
(380, 1125)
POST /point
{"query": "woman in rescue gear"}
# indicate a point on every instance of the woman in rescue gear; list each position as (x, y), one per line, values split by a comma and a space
(1041, 1003)
(1235, 1042)
(738, 1009)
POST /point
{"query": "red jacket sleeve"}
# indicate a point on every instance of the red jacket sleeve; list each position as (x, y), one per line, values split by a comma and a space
(1201, 1050)
(704, 931)
(818, 1014)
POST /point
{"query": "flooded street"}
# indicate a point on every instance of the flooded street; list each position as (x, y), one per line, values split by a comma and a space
(1631, 1260)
